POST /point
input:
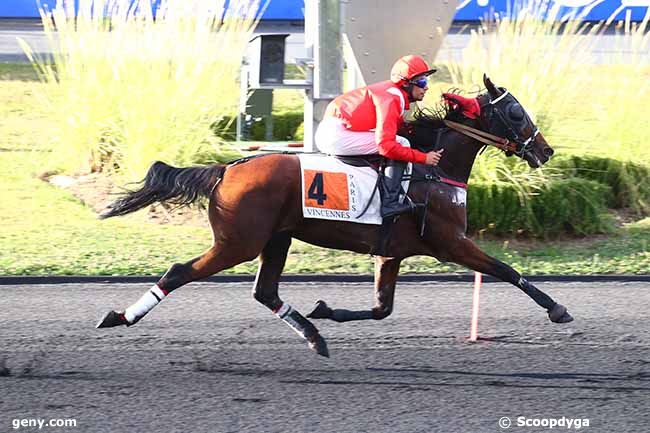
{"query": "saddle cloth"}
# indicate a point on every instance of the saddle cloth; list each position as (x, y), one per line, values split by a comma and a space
(333, 190)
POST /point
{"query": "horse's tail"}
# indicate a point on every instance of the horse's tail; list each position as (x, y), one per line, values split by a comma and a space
(166, 184)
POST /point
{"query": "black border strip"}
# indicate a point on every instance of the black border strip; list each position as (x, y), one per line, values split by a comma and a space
(315, 278)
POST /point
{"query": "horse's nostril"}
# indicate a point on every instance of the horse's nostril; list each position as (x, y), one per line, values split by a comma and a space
(548, 152)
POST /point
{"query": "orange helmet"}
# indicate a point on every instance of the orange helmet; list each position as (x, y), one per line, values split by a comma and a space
(408, 67)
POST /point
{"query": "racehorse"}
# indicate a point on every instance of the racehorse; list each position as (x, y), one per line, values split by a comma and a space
(255, 210)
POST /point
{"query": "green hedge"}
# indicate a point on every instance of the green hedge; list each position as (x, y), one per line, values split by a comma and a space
(629, 182)
(574, 206)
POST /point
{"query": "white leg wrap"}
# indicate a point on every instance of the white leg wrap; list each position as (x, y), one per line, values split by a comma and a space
(284, 313)
(144, 304)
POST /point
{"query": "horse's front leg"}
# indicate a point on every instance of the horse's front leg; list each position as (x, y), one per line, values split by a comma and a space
(386, 271)
(466, 253)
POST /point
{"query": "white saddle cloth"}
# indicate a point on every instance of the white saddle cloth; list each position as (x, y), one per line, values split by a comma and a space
(337, 191)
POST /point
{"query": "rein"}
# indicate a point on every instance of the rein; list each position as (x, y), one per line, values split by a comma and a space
(510, 146)
(482, 136)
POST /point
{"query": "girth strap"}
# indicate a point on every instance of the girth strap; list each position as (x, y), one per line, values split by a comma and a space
(453, 182)
(431, 177)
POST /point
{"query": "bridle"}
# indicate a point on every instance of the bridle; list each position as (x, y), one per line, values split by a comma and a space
(500, 114)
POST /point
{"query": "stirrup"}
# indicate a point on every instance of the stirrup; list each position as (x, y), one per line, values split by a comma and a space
(407, 207)
(399, 211)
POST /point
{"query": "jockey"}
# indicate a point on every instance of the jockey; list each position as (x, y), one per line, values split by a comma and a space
(365, 121)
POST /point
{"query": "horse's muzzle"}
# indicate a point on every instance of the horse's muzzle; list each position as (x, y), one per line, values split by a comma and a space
(548, 152)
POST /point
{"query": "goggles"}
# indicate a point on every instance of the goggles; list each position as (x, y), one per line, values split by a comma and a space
(420, 82)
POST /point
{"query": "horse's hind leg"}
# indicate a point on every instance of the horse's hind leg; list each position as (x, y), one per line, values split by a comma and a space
(212, 261)
(468, 254)
(386, 271)
(265, 291)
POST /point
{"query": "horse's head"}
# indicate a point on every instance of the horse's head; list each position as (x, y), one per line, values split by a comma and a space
(500, 114)
(504, 117)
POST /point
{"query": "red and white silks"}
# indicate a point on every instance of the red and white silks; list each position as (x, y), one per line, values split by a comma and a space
(375, 113)
(334, 138)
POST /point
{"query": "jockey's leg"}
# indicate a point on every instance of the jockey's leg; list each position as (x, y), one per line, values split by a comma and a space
(466, 253)
(211, 262)
(265, 291)
(386, 271)
(334, 138)
(390, 189)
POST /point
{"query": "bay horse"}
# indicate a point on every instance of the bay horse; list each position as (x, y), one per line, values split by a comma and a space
(255, 210)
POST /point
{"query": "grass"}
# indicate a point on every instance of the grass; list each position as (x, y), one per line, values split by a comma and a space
(46, 231)
(17, 72)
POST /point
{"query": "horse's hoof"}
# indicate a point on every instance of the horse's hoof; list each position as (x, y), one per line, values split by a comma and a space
(111, 319)
(319, 345)
(559, 314)
(320, 311)
(566, 318)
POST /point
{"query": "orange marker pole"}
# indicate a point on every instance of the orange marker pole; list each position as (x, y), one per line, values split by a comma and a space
(473, 332)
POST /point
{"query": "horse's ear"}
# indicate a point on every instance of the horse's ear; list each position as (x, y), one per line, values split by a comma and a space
(491, 88)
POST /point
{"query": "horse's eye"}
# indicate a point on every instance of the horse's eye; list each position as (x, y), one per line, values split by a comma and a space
(516, 113)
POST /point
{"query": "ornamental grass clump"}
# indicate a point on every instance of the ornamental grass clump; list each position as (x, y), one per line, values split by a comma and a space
(129, 85)
(537, 58)
(584, 99)
(581, 81)
(617, 91)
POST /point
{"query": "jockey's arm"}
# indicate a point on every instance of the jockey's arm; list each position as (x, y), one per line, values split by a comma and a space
(389, 117)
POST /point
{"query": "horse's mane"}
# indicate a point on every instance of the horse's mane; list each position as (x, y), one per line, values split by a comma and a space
(420, 128)
(430, 117)
(433, 117)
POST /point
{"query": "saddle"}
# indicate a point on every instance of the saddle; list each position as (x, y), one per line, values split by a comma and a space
(373, 160)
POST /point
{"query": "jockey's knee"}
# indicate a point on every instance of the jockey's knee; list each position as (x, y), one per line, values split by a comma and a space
(379, 313)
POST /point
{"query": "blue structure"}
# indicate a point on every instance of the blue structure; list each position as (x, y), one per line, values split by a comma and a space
(469, 10)
(596, 10)
(19, 9)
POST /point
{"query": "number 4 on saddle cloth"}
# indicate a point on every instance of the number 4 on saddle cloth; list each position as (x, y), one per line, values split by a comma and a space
(334, 190)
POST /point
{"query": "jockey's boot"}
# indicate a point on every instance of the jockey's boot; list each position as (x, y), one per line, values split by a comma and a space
(391, 187)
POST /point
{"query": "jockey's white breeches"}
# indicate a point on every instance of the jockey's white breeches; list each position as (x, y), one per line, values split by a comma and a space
(334, 138)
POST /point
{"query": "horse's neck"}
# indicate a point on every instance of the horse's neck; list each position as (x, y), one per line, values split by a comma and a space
(458, 158)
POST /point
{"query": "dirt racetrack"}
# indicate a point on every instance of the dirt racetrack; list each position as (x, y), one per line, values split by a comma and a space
(210, 359)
